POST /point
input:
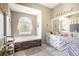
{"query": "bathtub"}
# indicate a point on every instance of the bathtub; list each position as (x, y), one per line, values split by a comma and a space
(25, 38)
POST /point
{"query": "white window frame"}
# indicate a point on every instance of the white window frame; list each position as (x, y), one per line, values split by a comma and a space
(27, 20)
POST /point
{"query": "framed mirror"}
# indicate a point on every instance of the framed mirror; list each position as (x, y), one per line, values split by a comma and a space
(68, 23)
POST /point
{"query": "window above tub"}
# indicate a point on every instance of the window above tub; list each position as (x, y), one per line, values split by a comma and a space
(24, 25)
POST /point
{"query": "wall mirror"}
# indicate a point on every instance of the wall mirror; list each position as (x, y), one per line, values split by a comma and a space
(68, 23)
(74, 22)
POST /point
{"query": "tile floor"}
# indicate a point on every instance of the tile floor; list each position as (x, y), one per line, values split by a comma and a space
(43, 50)
(36, 51)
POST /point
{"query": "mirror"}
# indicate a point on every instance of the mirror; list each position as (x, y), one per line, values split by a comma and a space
(64, 23)
(69, 23)
(74, 24)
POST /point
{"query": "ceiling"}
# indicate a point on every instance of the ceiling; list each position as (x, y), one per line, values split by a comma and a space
(49, 5)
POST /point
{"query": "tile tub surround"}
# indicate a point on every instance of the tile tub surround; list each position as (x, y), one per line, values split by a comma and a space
(26, 44)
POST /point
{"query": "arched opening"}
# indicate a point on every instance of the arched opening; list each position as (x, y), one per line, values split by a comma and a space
(24, 25)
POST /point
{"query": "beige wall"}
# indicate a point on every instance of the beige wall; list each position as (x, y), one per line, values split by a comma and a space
(15, 18)
(46, 17)
(56, 25)
(64, 8)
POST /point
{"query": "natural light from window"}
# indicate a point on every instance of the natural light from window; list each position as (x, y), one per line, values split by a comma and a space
(24, 25)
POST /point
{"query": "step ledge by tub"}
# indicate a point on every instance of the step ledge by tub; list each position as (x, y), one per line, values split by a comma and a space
(28, 38)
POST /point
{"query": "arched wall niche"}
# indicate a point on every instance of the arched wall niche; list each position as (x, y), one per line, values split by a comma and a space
(28, 10)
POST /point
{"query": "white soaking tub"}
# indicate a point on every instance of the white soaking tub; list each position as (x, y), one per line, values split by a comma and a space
(25, 38)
